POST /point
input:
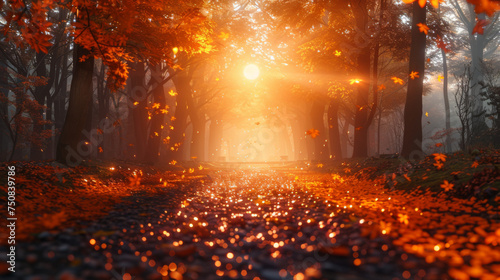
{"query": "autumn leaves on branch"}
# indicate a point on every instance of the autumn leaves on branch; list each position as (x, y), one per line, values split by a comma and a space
(117, 32)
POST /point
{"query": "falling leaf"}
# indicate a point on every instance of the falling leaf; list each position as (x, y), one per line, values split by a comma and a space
(381, 87)
(414, 75)
(320, 165)
(475, 164)
(422, 27)
(397, 80)
(441, 44)
(313, 133)
(172, 93)
(406, 177)
(173, 162)
(426, 114)
(440, 78)
(439, 145)
(338, 53)
(447, 186)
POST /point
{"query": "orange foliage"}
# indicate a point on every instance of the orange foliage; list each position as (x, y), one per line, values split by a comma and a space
(313, 133)
(430, 225)
(115, 31)
(485, 6)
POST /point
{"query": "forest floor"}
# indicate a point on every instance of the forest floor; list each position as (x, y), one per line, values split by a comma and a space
(359, 219)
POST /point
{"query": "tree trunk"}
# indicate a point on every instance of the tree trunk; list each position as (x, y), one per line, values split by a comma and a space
(360, 12)
(479, 127)
(182, 87)
(40, 93)
(4, 90)
(138, 94)
(215, 140)
(198, 138)
(157, 120)
(300, 143)
(412, 139)
(446, 103)
(317, 115)
(70, 148)
(333, 128)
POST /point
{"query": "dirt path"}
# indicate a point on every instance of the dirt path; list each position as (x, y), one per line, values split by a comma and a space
(265, 224)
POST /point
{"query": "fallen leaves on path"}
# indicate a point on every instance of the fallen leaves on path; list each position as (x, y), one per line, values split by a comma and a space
(463, 233)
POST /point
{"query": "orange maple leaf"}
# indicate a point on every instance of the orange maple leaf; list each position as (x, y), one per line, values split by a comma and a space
(439, 157)
(447, 186)
(381, 87)
(475, 164)
(397, 80)
(434, 3)
(422, 27)
(313, 132)
(414, 75)
(403, 218)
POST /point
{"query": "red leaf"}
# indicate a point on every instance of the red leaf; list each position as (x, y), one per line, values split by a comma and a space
(479, 27)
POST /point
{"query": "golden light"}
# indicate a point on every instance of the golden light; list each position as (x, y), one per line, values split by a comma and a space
(251, 72)
(354, 81)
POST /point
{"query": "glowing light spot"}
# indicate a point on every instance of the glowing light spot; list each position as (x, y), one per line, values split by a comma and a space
(251, 72)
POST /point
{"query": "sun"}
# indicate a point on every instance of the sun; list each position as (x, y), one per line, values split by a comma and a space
(251, 72)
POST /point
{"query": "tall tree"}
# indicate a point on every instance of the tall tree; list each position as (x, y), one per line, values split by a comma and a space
(482, 40)
(412, 139)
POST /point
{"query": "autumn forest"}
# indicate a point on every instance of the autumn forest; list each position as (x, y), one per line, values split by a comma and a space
(250, 139)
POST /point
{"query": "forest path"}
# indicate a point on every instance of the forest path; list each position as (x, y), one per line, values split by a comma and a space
(268, 224)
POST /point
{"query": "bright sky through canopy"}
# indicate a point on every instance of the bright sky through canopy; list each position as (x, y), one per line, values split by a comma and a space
(251, 72)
